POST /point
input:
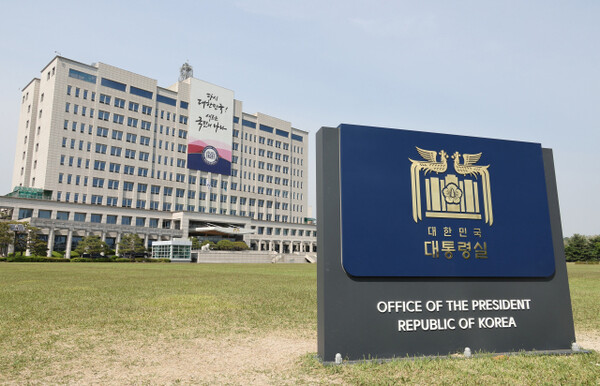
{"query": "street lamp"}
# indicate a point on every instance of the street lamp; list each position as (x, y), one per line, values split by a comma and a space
(16, 228)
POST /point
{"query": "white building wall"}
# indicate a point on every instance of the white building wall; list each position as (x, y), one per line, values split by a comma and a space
(70, 146)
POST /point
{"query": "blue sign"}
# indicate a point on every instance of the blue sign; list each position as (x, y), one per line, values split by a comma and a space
(417, 204)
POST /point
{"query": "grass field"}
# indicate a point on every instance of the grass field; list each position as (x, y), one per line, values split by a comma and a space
(204, 324)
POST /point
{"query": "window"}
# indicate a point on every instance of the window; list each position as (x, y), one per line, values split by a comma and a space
(126, 220)
(44, 213)
(131, 138)
(116, 151)
(146, 110)
(118, 118)
(142, 188)
(154, 189)
(116, 134)
(105, 99)
(128, 186)
(99, 165)
(134, 106)
(96, 200)
(119, 102)
(79, 217)
(113, 184)
(96, 218)
(100, 148)
(62, 215)
(132, 122)
(111, 219)
(140, 221)
(103, 115)
(115, 168)
(97, 182)
(128, 169)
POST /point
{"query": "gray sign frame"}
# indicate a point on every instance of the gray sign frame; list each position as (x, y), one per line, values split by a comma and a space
(350, 324)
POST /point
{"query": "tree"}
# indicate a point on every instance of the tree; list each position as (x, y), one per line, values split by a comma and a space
(131, 244)
(92, 245)
(36, 246)
(595, 247)
(578, 248)
(6, 237)
(195, 243)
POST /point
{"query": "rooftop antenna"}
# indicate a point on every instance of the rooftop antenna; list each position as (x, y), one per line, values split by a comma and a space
(186, 71)
(57, 53)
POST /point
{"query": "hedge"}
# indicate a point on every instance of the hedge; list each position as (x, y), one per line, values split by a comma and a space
(36, 259)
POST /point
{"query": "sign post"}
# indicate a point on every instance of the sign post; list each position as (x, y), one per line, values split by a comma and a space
(457, 244)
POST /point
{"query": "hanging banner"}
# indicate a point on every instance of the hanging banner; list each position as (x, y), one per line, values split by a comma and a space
(210, 127)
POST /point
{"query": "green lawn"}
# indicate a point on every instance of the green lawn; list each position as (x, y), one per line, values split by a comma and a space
(52, 314)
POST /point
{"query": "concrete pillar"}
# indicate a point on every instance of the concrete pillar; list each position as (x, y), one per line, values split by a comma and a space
(117, 241)
(146, 241)
(259, 245)
(68, 246)
(50, 242)
(271, 246)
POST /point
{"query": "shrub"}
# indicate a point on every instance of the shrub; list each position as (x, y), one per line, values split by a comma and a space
(57, 254)
(2, 258)
(91, 260)
(240, 246)
(74, 254)
(150, 260)
(122, 260)
(224, 245)
(36, 259)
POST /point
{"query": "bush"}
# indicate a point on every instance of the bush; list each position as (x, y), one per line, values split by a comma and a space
(90, 260)
(57, 254)
(157, 260)
(224, 245)
(74, 254)
(36, 259)
(122, 260)
(240, 246)
(2, 258)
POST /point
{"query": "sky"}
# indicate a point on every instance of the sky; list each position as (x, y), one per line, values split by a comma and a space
(518, 70)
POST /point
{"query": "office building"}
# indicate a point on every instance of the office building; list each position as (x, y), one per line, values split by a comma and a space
(102, 150)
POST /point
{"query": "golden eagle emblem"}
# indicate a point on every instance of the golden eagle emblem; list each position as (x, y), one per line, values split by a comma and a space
(464, 195)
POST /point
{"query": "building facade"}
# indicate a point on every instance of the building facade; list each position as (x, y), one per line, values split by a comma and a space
(99, 140)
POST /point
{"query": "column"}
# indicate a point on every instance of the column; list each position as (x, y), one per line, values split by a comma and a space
(68, 246)
(50, 242)
(117, 241)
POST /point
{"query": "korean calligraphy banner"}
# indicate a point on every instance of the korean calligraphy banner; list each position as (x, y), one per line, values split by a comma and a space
(210, 127)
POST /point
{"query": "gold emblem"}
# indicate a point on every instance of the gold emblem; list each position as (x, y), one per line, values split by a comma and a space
(464, 195)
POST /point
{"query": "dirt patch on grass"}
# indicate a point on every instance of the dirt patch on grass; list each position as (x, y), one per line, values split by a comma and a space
(588, 340)
(254, 360)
